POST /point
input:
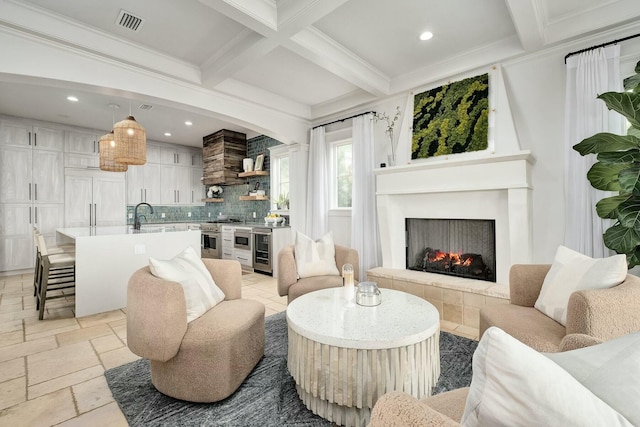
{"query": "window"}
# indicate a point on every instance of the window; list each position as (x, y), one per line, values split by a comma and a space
(280, 179)
(341, 174)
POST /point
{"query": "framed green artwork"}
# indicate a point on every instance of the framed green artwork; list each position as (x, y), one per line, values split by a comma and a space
(451, 119)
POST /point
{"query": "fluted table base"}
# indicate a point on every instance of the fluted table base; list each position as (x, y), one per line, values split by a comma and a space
(342, 384)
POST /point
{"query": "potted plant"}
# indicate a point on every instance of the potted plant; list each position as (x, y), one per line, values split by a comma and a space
(618, 170)
(283, 201)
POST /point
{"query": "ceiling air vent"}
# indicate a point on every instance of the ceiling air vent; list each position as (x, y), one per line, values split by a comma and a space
(145, 107)
(129, 21)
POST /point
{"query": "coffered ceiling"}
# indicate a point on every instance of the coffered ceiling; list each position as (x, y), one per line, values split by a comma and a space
(303, 59)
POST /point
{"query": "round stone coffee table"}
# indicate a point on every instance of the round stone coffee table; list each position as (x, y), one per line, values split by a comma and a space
(344, 357)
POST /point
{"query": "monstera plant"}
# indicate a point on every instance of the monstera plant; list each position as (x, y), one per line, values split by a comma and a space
(618, 170)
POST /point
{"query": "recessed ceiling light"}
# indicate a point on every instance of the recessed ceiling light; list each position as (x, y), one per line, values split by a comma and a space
(188, 123)
(426, 35)
(167, 134)
(72, 99)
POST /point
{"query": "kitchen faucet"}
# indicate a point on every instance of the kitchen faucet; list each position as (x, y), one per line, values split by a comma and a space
(136, 222)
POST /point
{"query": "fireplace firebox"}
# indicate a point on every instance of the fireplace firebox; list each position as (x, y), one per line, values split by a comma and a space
(456, 247)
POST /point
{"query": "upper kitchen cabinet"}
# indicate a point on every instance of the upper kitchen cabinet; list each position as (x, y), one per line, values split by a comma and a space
(223, 153)
(19, 134)
(176, 156)
(82, 149)
(31, 173)
(176, 185)
(143, 182)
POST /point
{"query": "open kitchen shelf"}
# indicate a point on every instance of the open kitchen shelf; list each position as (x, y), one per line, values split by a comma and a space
(254, 197)
(216, 200)
(252, 173)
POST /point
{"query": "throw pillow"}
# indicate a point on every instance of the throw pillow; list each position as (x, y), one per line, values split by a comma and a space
(315, 258)
(514, 385)
(572, 271)
(611, 370)
(200, 291)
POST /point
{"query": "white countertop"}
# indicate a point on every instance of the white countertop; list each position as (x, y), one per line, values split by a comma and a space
(75, 232)
(401, 319)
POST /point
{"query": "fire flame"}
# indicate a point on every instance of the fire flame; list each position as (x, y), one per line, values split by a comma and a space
(453, 257)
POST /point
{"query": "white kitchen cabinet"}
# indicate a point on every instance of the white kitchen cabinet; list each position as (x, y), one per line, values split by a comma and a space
(31, 175)
(17, 253)
(16, 231)
(94, 198)
(15, 134)
(227, 242)
(143, 184)
(81, 149)
(176, 185)
(48, 176)
(47, 139)
(196, 158)
(154, 153)
(21, 134)
(172, 155)
(15, 174)
(32, 190)
(197, 188)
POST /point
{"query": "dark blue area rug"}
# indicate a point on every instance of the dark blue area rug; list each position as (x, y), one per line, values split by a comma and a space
(267, 398)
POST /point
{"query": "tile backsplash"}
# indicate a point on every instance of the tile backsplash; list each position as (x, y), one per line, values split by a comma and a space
(232, 206)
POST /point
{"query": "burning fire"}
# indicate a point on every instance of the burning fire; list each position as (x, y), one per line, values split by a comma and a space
(452, 257)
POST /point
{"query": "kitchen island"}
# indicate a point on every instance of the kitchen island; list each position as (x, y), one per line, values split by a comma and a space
(107, 256)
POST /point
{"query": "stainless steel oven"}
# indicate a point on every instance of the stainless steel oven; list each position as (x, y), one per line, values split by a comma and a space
(242, 238)
(211, 242)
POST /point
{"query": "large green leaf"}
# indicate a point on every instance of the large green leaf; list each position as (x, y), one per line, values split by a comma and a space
(630, 156)
(605, 176)
(625, 103)
(634, 132)
(608, 207)
(629, 179)
(629, 213)
(633, 258)
(631, 82)
(621, 239)
(606, 142)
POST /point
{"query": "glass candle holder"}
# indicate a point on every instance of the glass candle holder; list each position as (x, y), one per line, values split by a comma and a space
(348, 283)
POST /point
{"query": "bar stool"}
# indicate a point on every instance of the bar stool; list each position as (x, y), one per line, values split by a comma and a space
(56, 273)
(68, 248)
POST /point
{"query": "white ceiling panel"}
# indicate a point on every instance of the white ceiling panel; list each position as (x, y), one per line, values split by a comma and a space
(385, 33)
(185, 29)
(288, 74)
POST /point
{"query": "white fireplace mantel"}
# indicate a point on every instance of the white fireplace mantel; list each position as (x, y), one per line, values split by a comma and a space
(494, 187)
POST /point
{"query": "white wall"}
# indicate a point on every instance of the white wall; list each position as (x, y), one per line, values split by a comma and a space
(535, 86)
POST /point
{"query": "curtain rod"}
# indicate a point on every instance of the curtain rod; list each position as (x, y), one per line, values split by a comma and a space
(599, 46)
(342, 120)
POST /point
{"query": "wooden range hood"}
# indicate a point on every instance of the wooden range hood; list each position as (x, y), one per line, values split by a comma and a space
(222, 155)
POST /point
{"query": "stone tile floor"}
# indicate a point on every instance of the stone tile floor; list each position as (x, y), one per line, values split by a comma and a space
(51, 370)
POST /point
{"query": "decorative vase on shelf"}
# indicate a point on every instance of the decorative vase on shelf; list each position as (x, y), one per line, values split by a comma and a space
(391, 159)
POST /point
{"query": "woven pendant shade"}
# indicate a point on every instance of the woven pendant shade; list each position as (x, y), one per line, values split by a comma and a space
(107, 153)
(131, 142)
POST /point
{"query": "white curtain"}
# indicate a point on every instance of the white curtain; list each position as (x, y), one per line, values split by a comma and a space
(588, 75)
(317, 185)
(364, 223)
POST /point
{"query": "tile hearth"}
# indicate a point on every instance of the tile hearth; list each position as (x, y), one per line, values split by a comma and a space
(51, 371)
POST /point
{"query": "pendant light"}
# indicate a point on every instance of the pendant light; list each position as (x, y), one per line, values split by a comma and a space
(131, 141)
(107, 149)
(107, 153)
